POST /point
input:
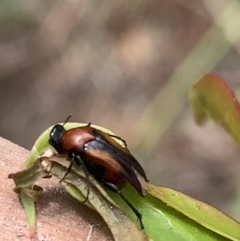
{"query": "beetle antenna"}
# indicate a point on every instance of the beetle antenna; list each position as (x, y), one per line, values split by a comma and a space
(65, 122)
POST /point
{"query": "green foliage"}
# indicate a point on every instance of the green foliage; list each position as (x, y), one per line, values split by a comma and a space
(167, 214)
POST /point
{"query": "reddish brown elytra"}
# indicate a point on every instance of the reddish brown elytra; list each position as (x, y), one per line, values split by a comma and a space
(102, 157)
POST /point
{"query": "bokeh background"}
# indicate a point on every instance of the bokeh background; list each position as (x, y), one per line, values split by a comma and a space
(126, 65)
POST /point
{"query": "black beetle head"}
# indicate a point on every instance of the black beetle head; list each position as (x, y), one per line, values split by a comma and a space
(56, 137)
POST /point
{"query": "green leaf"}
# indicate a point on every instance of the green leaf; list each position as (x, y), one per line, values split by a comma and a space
(204, 214)
(212, 97)
(167, 214)
(24, 181)
(29, 207)
(26, 178)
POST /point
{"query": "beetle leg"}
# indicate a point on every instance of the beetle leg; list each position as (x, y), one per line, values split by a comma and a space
(80, 162)
(119, 138)
(115, 189)
(68, 170)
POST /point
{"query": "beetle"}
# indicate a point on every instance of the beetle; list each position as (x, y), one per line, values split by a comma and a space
(102, 157)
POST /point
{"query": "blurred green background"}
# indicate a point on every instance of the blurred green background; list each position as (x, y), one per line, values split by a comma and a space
(127, 66)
